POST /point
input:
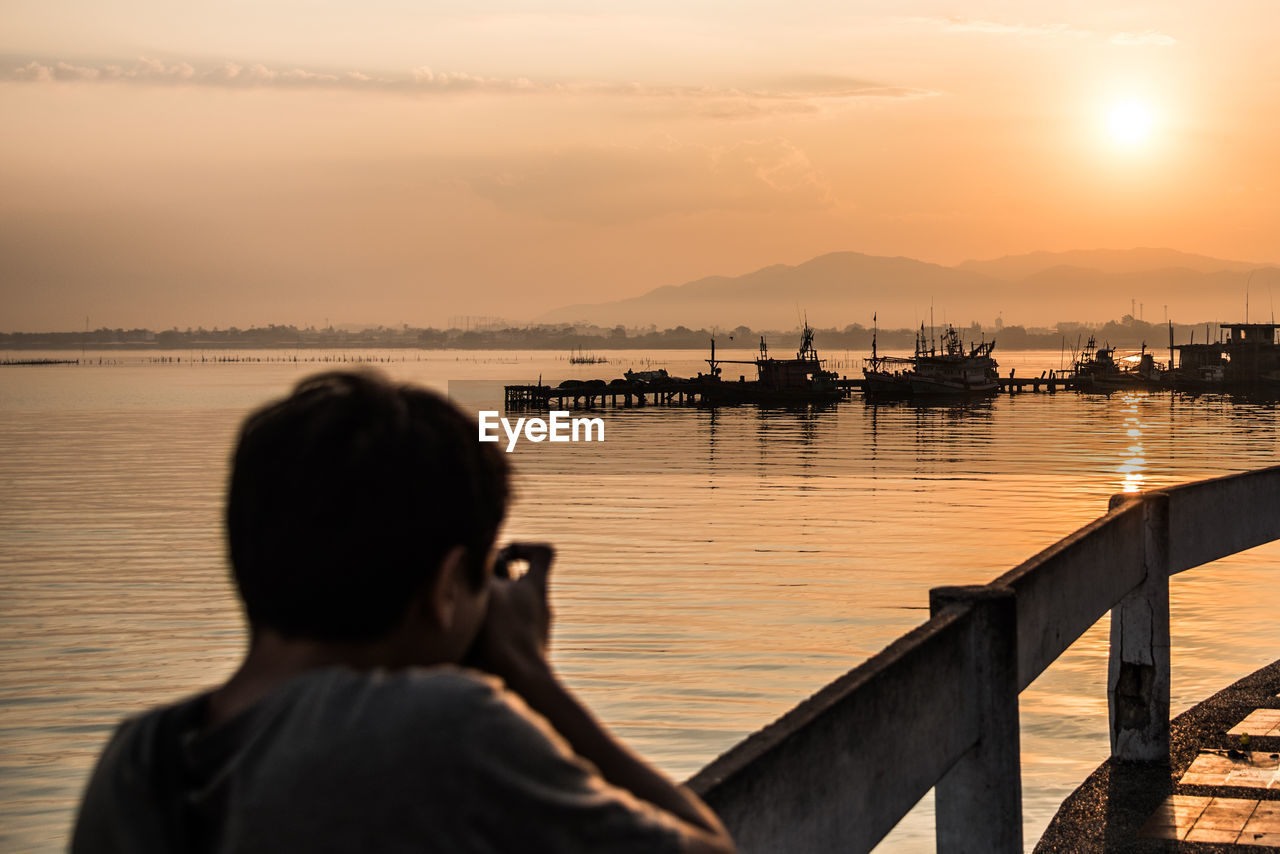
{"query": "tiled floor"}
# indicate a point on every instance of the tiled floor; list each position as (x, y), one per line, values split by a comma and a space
(1254, 771)
(1203, 819)
(1260, 722)
(1194, 818)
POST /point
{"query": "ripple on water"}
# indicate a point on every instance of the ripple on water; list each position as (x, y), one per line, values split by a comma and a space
(713, 567)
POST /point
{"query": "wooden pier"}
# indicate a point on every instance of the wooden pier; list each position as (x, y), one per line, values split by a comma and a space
(619, 392)
(30, 362)
(1040, 383)
(680, 392)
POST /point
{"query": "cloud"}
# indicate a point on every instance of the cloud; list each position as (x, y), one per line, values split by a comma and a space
(35, 72)
(425, 79)
(1144, 38)
(725, 102)
(256, 75)
(808, 90)
(756, 102)
(999, 28)
(622, 185)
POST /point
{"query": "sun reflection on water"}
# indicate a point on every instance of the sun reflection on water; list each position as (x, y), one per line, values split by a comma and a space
(1132, 468)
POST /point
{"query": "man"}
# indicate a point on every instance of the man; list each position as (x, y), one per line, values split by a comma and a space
(361, 519)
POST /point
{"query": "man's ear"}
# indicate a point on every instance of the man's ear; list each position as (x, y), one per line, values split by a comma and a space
(446, 587)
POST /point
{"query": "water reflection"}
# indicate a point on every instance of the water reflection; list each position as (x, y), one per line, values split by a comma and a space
(703, 587)
(941, 429)
(1132, 468)
(711, 424)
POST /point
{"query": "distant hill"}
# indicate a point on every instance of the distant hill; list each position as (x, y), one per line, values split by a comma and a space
(834, 290)
(1037, 289)
(1013, 268)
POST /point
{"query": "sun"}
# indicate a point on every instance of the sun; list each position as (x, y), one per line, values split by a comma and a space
(1130, 123)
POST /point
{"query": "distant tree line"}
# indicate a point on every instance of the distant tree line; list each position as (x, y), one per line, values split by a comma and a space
(1127, 332)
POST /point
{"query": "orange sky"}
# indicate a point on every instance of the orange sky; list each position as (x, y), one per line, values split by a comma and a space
(293, 162)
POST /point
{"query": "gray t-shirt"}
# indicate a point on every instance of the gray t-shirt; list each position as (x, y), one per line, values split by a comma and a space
(433, 760)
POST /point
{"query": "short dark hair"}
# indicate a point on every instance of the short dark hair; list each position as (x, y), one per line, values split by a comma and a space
(344, 498)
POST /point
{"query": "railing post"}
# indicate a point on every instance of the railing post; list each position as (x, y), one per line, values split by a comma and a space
(1138, 669)
(979, 801)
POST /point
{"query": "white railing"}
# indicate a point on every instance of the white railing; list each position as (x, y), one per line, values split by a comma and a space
(938, 708)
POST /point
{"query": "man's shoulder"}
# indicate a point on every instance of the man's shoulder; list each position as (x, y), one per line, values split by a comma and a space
(324, 704)
(419, 753)
(443, 710)
(125, 808)
(319, 727)
(461, 718)
(143, 739)
(417, 694)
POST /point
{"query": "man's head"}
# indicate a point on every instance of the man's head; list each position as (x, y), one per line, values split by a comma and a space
(347, 497)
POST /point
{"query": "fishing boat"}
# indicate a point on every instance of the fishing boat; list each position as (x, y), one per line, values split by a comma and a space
(952, 369)
(1094, 364)
(1098, 369)
(801, 380)
(949, 370)
(659, 375)
(1201, 367)
(885, 375)
(1138, 371)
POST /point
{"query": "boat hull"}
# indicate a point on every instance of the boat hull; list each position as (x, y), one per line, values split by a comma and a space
(932, 385)
(719, 393)
(886, 383)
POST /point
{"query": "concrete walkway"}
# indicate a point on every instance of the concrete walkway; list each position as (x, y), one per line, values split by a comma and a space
(1220, 792)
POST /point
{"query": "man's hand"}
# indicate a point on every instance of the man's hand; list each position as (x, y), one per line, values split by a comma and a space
(512, 641)
(512, 644)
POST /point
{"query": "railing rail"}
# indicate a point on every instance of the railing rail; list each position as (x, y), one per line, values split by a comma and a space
(838, 771)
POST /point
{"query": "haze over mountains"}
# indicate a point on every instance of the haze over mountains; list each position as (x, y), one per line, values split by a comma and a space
(1037, 289)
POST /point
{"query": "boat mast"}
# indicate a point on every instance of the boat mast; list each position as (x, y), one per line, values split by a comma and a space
(874, 329)
(807, 351)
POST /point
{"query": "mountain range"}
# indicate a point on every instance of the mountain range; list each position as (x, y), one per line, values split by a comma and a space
(1035, 289)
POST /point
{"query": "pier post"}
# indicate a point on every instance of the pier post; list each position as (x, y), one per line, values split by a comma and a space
(979, 801)
(1138, 669)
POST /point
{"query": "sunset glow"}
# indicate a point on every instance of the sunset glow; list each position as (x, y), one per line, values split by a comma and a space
(1130, 123)
(399, 163)
(871, 371)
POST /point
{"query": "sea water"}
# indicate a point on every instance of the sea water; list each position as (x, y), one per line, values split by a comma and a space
(714, 567)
